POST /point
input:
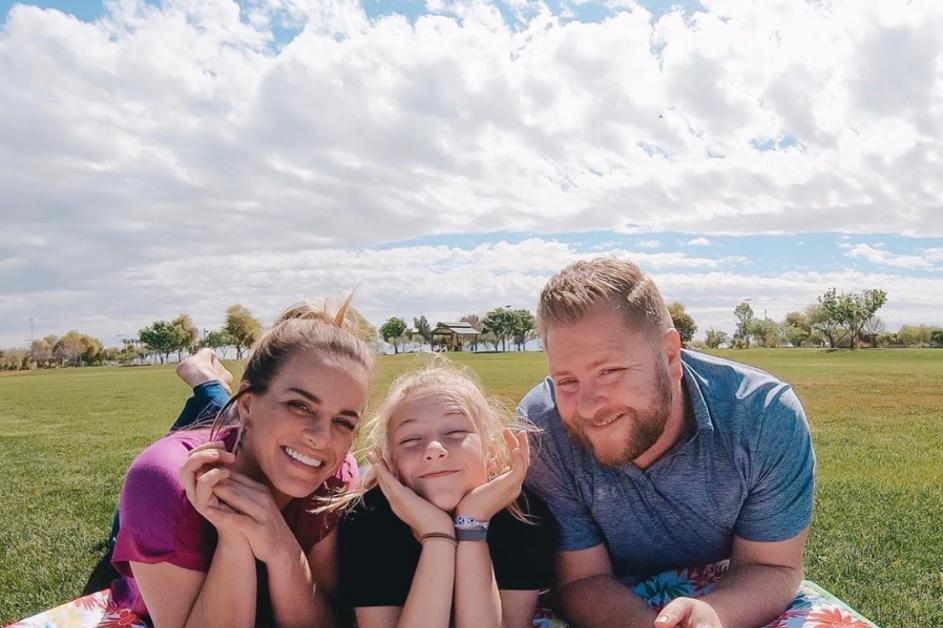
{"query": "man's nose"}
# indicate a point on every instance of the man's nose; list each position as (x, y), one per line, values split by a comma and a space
(588, 402)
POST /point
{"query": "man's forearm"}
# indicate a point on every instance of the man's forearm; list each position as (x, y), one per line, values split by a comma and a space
(753, 595)
(602, 601)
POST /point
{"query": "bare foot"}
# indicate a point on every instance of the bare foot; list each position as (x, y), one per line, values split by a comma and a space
(203, 366)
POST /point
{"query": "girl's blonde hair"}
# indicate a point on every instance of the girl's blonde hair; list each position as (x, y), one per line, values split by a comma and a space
(459, 386)
(303, 327)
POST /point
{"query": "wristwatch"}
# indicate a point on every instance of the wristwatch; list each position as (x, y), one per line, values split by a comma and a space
(470, 529)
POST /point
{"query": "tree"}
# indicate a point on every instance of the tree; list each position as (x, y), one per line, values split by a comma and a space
(14, 359)
(849, 312)
(796, 328)
(500, 322)
(824, 325)
(744, 315)
(218, 340)
(682, 321)
(489, 338)
(423, 329)
(873, 329)
(131, 351)
(765, 332)
(392, 332)
(41, 351)
(187, 334)
(77, 349)
(243, 327)
(523, 328)
(915, 335)
(936, 338)
(160, 337)
(715, 338)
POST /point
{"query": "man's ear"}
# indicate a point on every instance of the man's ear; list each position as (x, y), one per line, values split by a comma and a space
(671, 344)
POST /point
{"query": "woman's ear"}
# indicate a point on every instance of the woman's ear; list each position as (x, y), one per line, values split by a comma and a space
(244, 403)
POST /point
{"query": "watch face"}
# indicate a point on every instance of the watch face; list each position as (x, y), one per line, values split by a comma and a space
(470, 523)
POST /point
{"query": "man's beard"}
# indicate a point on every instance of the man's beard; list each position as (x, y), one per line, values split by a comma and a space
(646, 426)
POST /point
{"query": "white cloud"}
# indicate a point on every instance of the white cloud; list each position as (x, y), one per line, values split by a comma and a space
(698, 242)
(158, 142)
(442, 282)
(648, 244)
(930, 259)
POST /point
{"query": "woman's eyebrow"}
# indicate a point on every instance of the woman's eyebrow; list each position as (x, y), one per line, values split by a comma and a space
(317, 400)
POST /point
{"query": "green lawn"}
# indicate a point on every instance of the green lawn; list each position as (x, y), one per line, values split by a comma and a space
(66, 437)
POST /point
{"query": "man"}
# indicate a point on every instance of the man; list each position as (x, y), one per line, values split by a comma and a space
(653, 457)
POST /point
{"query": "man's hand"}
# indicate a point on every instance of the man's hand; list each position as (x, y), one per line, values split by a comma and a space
(686, 612)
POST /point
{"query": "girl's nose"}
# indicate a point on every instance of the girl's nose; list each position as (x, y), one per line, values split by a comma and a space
(435, 451)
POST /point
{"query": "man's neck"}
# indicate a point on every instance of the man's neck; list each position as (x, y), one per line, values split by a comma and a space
(675, 429)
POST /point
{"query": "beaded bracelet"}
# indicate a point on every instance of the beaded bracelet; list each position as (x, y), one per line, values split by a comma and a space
(438, 535)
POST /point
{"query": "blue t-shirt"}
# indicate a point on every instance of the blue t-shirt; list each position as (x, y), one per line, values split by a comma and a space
(744, 469)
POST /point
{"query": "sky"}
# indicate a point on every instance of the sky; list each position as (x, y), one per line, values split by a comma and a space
(445, 157)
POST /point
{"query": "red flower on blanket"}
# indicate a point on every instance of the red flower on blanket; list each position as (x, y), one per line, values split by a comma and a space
(122, 618)
(95, 601)
(833, 618)
(707, 575)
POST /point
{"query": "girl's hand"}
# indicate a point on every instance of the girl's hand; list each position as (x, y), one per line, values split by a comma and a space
(419, 514)
(496, 494)
(248, 506)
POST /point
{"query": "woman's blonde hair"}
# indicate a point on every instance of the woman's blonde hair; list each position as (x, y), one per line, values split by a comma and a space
(459, 386)
(303, 327)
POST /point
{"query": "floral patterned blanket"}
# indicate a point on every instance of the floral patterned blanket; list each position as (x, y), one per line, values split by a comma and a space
(814, 607)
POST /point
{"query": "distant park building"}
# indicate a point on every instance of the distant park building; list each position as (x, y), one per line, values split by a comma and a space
(453, 336)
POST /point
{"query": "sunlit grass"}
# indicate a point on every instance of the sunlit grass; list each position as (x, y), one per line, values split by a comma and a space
(67, 436)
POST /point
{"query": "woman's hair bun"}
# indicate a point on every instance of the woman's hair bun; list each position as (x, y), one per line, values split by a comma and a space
(344, 317)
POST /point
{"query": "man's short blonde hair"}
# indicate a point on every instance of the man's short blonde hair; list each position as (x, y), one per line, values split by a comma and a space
(603, 282)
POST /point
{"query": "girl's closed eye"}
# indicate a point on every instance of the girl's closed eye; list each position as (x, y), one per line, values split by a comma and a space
(409, 441)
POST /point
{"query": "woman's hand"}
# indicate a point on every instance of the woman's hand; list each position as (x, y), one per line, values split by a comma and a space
(419, 514)
(495, 495)
(250, 509)
(204, 468)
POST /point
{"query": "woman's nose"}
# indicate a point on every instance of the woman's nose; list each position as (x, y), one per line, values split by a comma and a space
(317, 435)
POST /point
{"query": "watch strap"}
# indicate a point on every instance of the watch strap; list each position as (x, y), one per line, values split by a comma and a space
(471, 534)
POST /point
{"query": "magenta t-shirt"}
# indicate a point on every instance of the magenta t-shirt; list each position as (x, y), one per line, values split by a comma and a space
(159, 524)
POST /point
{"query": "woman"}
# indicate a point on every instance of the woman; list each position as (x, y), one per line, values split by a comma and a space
(226, 525)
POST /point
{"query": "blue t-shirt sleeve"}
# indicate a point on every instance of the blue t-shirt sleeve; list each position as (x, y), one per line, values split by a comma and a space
(550, 476)
(779, 503)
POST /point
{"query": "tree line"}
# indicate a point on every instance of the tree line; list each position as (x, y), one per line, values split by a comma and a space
(501, 328)
(836, 320)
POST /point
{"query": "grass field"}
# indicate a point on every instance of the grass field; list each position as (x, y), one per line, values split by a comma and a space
(67, 436)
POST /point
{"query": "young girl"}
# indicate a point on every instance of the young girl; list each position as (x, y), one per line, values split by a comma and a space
(440, 535)
(217, 527)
